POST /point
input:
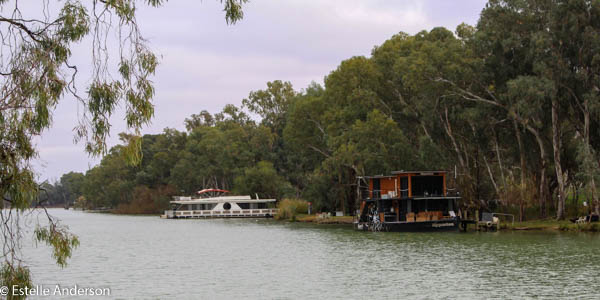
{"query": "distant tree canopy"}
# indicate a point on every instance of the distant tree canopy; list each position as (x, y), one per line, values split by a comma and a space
(512, 105)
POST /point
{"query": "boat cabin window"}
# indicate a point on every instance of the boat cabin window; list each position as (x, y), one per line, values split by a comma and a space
(404, 186)
(427, 186)
(376, 188)
(197, 206)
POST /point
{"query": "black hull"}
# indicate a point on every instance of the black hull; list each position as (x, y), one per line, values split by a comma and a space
(426, 226)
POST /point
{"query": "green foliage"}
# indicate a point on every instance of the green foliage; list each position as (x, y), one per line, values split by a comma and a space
(271, 104)
(263, 180)
(289, 209)
(233, 10)
(62, 242)
(590, 169)
(204, 118)
(375, 146)
(19, 276)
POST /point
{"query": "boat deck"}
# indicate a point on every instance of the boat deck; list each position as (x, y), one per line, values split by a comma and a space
(202, 214)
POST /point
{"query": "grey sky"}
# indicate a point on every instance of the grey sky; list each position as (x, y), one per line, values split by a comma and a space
(206, 64)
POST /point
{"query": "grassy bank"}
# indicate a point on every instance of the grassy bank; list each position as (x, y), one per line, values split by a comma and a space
(550, 224)
(297, 210)
(331, 220)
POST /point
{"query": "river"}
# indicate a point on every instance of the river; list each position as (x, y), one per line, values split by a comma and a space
(145, 257)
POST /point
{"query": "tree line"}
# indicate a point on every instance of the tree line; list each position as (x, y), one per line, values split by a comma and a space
(511, 106)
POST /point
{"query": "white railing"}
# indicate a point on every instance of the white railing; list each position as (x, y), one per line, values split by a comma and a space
(262, 212)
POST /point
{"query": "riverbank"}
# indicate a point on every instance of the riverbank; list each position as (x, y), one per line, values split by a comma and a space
(545, 225)
(550, 225)
(542, 225)
(328, 220)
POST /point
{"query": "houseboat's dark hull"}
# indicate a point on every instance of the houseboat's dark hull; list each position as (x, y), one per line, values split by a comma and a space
(424, 226)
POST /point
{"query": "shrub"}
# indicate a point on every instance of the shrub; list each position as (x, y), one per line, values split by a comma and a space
(147, 201)
(290, 208)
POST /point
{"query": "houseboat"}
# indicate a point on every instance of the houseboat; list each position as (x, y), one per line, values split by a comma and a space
(407, 201)
(210, 203)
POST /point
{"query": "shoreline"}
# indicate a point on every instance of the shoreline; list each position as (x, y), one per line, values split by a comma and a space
(533, 225)
(330, 220)
(550, 225)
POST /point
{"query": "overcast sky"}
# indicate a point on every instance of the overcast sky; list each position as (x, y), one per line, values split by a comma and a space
(206, 63)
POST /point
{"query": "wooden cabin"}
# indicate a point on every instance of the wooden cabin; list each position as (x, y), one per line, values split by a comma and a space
(401, 200)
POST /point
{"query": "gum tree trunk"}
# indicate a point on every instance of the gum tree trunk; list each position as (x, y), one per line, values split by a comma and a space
(543, 181)
(522, 188)
(560, 177)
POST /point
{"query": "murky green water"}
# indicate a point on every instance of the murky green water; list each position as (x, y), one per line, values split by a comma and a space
(153, 258)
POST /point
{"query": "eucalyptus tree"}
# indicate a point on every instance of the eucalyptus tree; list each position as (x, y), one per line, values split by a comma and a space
(204, 118)
(351, 93)
(304, 138)
(263, 180)
(428, 110)
(272, 105)
(111, 182)
(72, 183)
(159, 153)
(37, 72)
(216, 152)
(574, 38)
(489, 79)
(543, 57)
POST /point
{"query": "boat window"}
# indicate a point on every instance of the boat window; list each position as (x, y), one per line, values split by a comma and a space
(427, 185)
(227, 206)
(244, 205)
(376, 188)
(404, 187)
